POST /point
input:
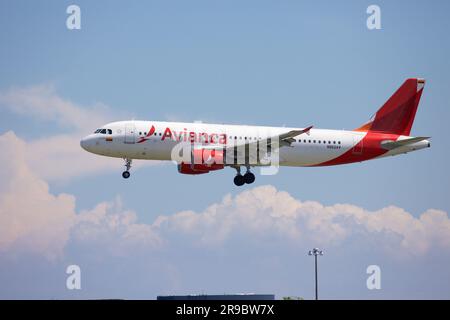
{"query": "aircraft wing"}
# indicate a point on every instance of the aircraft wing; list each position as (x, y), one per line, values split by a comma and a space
(284, 139)
(390, 145)
(287, 138)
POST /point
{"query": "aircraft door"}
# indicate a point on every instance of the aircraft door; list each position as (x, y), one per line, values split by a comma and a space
(130, 134)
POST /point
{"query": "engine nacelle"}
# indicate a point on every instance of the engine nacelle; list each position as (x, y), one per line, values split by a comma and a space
(204, 161)
(185, 168)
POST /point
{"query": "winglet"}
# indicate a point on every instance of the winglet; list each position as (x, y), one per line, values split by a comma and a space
(306, 130)
(287, 138)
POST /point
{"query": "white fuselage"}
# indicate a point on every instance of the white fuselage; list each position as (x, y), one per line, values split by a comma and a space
(132, 140)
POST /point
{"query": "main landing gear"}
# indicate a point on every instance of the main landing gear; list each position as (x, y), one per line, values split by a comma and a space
(240, 179)
(126, 173)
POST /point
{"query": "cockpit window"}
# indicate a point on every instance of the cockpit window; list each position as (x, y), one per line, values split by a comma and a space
(103, 131)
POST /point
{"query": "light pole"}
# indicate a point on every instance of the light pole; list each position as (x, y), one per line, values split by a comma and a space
(315, 252)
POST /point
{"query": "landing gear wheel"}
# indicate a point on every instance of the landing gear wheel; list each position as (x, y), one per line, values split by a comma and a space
(239, 180)
(249, 177)
(126, 173)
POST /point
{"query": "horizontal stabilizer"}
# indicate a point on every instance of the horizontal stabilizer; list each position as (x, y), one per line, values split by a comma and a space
(390, 144)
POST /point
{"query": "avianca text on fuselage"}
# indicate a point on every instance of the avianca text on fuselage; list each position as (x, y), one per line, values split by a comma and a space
(194, 137)
(210, 147)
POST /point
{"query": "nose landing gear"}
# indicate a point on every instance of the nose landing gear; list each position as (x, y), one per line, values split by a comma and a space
(240, 179)
(126, 174)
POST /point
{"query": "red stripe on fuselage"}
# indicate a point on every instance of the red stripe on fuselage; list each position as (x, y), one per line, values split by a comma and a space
(368, 148)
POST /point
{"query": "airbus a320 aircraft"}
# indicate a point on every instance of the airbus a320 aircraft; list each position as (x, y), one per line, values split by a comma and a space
(216, 146)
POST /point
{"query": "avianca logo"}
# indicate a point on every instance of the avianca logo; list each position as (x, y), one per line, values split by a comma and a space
(148, 135)
(185, 136)
(201, 137)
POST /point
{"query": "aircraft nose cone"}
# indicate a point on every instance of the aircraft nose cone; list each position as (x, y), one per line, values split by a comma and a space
(85, 143)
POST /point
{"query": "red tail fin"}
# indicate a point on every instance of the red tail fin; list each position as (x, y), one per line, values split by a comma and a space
(397, 114)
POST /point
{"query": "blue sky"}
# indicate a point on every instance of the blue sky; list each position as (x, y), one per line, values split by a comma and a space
(290, 63)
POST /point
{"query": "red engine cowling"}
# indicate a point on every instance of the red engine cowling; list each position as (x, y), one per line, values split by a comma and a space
(205, 160)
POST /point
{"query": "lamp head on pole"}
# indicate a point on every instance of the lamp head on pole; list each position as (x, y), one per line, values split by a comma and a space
(315, 252)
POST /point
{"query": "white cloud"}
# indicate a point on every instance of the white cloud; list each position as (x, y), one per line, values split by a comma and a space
(116, 230)
(34, 220)
(42, 102)
(60, 157)
(264, 213)
(31, 218)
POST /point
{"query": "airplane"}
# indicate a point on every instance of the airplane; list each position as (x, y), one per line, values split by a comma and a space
(216, 146)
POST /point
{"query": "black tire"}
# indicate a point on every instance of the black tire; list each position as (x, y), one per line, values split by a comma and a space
(249, 178)
(239, 180)
(126, 174)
